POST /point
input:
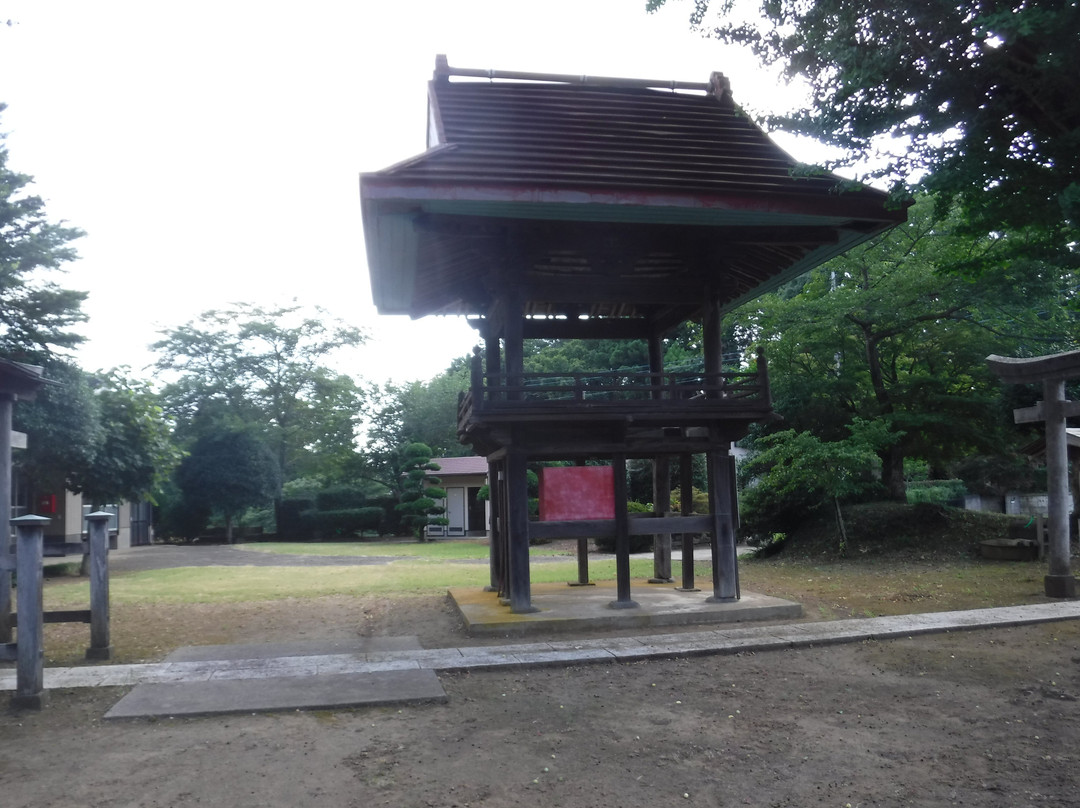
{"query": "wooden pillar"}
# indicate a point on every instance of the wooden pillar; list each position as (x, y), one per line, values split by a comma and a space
(518, 532)
(661, 505)
(29, 664)
(492, 357)
(656, 364)
(712, 346)
(495, 538)
(98, 539)
(622, 537)
(686, 495)
(1059, 581)
(582, 553)
(514, 347)
(7, 403)
(721, 509)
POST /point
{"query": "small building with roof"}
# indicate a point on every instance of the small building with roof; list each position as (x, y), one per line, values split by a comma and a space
(467, 512)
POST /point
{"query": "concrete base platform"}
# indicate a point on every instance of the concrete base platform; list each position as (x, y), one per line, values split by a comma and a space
(574, 608)
(221, 696)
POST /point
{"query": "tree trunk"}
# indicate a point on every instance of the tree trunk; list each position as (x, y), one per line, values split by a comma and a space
(841, 527)
(892, 457)
(228, 528)
(892, 473)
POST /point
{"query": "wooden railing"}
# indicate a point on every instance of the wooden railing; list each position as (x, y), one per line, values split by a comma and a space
(619, 389)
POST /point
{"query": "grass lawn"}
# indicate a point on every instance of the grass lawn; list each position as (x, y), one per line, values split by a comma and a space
(828, 590)
(411, 575)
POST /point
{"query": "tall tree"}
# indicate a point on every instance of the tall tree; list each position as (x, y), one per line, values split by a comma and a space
(420, 491)
(36, 314)
(228, 471)
(104, 436)
(882, 334)
(136, 454)
(979, 95)
(265, 369)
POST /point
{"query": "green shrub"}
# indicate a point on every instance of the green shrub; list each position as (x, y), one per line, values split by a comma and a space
(344, 523)
(340, 497)
(936, 492)
(638, 544)
(291, 524)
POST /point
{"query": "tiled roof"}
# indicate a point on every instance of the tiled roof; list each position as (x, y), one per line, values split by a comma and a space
(658, 193)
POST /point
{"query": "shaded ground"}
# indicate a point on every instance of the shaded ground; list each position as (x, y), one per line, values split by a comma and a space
(978, 718)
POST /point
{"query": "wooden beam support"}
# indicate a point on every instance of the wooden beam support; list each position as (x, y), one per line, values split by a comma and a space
(724, 556)
(622, 538)
(661, 504)
(518, 530)
(686, 502)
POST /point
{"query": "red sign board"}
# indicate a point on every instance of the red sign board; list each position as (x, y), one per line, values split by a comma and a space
(572, 493)
(46, 504)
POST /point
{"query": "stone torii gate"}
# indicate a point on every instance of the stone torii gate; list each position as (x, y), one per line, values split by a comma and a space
(1052, 371)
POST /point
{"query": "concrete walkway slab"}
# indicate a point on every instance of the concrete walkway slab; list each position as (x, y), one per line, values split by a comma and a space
(260, 681)
(335, 691)
(274, 650)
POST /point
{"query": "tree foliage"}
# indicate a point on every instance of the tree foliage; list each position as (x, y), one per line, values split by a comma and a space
(103, 435)
(36, 314)
(883, 333)
(248, 367)
(136, 454)
(228, 471)
(419, 506)
(979, 96)
(63, 428)
(795, 473)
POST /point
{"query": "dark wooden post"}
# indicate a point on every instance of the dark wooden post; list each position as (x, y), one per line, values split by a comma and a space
(495, 538)
(29, 665)
(582, 554)
(492, 357)
(686, 495)
(661, 505)
(518, 532)
(7, 404)
(712, 346)
(514, 348)
(724, 556)
(98, 539)
(622, 537)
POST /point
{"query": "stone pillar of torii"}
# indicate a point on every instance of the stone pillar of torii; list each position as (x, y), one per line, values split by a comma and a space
(1052, 371)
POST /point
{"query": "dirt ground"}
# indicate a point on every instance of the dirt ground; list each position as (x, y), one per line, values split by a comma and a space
(977, 718)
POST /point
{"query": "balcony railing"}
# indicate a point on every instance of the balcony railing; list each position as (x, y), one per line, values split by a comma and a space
(618, 391)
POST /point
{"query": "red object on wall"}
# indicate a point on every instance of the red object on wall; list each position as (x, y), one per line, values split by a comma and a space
(571, 493)
(46, 503)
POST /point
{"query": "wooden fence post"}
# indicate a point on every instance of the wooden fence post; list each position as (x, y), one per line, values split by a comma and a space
(100, 647)
(29, 665)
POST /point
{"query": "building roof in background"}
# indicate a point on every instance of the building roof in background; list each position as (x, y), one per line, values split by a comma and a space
(460, 466)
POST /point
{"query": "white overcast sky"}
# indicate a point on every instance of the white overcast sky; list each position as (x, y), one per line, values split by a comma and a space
(211, 150)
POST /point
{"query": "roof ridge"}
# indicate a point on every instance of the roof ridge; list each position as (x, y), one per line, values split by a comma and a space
(717, 84)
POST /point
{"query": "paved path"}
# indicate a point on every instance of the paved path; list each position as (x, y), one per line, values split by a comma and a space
(568, 652)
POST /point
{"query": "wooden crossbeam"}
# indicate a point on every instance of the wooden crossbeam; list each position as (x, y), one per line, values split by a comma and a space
(58, 616)
(606, 527)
